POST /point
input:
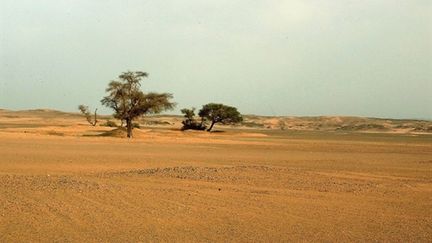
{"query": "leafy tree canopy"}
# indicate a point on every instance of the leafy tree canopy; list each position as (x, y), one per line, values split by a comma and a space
(129, 102)
(220, 113)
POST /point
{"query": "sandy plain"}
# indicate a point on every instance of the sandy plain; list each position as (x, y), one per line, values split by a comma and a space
(61, 181)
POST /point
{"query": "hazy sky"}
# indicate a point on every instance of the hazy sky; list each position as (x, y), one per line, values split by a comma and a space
(274, 57)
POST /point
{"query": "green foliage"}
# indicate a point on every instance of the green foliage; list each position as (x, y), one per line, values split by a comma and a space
(86, 112)
(189, 122)
(220, 113)
(129, 102)
(188, 113)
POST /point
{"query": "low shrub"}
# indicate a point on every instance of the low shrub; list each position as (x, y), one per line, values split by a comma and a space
(109, 123)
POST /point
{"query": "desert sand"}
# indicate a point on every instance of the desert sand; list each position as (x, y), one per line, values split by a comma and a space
(62, 180)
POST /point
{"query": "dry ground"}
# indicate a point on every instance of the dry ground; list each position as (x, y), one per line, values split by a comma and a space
(60, 181)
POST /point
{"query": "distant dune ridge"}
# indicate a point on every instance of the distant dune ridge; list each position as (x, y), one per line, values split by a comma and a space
(341, 123)
(43, 117)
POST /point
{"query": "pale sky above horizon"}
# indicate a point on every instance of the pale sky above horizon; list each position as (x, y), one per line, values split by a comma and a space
(267, 57)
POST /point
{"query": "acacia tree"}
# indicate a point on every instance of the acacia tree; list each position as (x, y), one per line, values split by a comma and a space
(86, 112)
(220, 113)
(129, 102)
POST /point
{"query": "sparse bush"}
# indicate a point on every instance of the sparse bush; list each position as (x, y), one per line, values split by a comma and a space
(136, 125)
(189, 122)
(282, 124)
(109, 123)
(86, 112)
(163, 123)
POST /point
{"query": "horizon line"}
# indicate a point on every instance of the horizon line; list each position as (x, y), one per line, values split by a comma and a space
(177, 114)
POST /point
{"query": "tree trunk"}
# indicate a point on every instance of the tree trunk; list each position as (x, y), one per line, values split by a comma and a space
(210, 128)
(95, 118)
(129, 128)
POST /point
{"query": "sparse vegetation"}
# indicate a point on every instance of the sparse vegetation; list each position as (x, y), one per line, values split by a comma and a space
(252, 124)
(109, 123)
(156, 122)
(138, 175)
(282, 124)
(189, 122)
(86, 112)
(363, 127)
(220, 113)
(129, 102)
